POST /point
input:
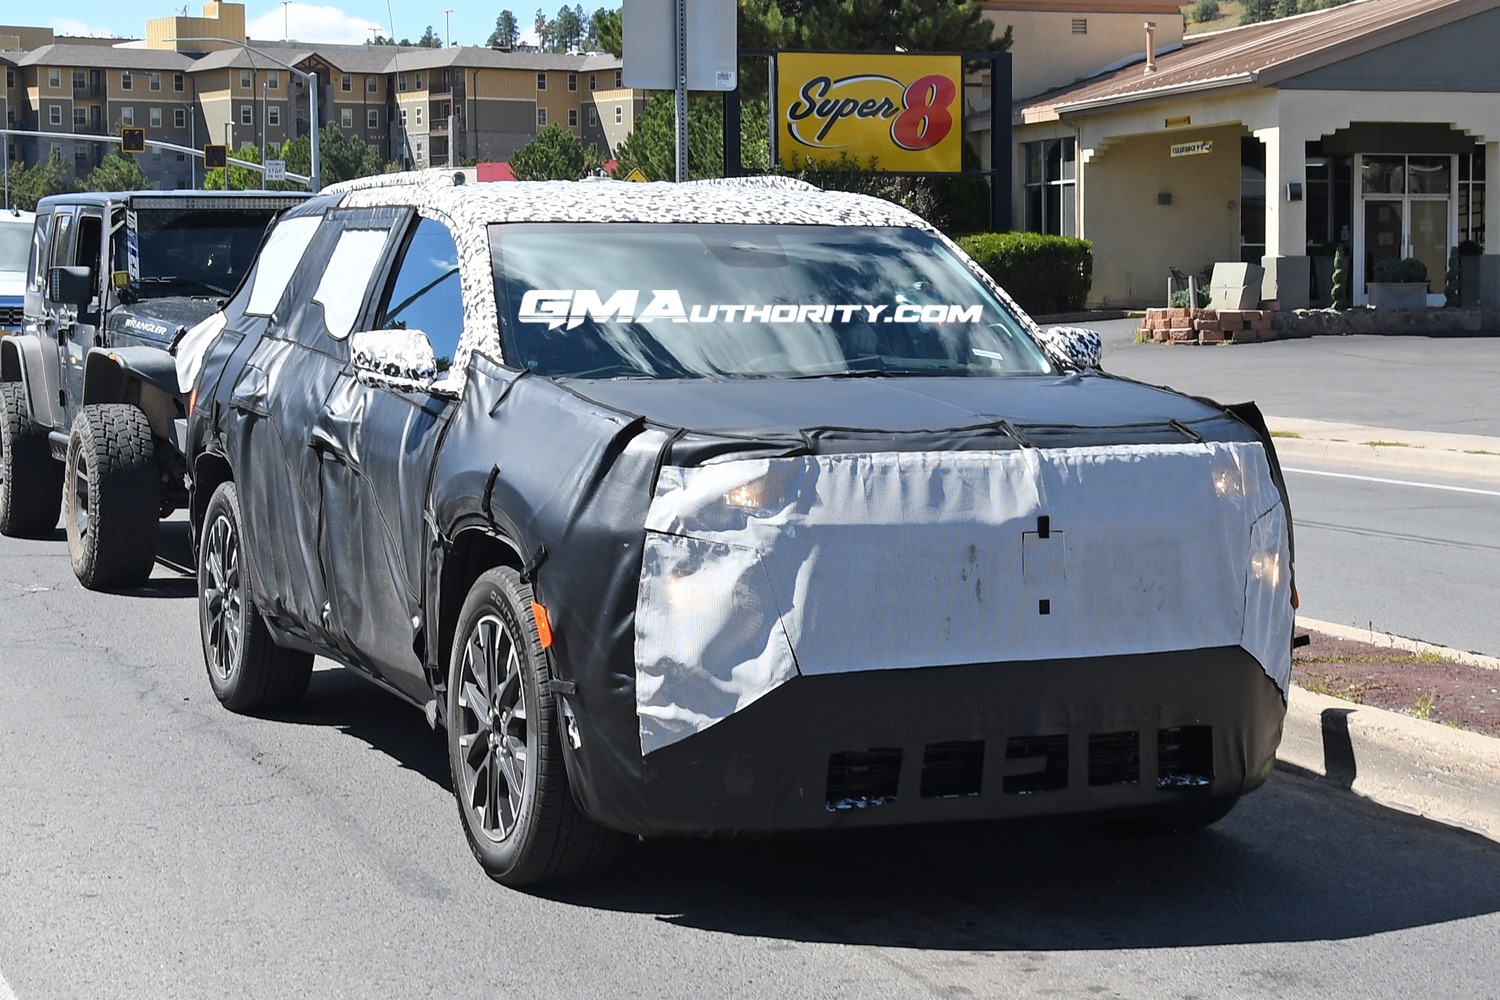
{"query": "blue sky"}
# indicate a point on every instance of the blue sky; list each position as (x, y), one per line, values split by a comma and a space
(350, 21)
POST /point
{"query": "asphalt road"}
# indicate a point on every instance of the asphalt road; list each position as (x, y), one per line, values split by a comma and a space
(153, 844)
(1449, 384)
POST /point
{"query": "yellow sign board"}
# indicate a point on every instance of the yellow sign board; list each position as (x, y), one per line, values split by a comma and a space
(1179, 122)
(903, 111)
(635, 175)
(1193, 148)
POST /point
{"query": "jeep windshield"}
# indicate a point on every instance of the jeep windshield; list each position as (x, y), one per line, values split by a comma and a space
(193, 251)
(679, 300)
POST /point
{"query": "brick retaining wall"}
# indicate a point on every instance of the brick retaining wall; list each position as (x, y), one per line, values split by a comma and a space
(1249, 326)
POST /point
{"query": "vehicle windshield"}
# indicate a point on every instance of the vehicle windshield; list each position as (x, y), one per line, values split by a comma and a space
(194, 252)
(15, 244)
(677, 300)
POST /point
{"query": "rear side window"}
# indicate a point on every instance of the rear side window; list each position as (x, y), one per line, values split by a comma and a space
(37, 272)
(425, 293)
(278, 260)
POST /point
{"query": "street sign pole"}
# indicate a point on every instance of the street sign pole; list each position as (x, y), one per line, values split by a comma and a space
(681, 91)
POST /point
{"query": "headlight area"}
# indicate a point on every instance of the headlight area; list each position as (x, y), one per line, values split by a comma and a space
(1269, 611)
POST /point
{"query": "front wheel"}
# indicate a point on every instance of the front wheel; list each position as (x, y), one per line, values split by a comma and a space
(504, 748)
(112, 496)
(247, 670)
(30, 478)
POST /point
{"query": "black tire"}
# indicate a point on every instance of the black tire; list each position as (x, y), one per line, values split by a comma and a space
(30, 478)
(247, 670)
(505, 749)
(111, 497)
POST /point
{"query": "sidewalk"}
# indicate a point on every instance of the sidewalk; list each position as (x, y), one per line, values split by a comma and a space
(1464, 455)
(1423, 768)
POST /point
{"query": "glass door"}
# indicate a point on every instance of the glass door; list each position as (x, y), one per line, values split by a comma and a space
(1407, 211)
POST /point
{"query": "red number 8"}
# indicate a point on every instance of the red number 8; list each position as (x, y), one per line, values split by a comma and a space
(925, 122)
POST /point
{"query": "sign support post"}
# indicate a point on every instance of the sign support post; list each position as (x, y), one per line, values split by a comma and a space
(680, 91)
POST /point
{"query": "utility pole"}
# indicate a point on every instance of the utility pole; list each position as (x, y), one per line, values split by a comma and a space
(285, 33)
(447, 36)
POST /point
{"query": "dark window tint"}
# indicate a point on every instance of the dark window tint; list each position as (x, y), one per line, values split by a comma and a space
(424, 294)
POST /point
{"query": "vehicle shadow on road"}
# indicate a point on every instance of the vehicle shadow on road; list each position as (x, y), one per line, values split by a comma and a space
(1293, 863)
(340, 698)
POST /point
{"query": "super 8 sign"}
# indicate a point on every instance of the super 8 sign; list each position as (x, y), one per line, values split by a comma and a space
(904, 111)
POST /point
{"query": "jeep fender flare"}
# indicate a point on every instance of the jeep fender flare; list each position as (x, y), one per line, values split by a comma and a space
(144, 376)
(21, 361)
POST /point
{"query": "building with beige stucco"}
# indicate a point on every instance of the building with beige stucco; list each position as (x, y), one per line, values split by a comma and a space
(1368, 126)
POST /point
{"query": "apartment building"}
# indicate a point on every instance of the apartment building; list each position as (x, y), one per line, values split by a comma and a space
(188, 83)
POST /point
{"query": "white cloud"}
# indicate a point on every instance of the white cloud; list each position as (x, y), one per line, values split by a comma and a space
(71, 26)
(309, 23)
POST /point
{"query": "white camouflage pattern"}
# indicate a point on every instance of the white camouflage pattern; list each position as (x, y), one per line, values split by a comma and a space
(468, 209)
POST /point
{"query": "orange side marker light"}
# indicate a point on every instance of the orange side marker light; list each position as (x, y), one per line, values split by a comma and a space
(543, 624)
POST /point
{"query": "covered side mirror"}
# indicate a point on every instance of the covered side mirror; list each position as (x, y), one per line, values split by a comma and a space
(1076, 345)
(72, 286)
(398, 359)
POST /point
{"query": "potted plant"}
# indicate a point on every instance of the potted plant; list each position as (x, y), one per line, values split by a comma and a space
(1399, 284)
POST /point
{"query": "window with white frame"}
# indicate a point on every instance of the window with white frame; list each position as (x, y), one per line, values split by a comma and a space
(400, 81)
(593, 116)
(80, 118)
(572, 118)
(403, 118)
(618, 84)
(372, 118)
(541, 81)
(370, 84)
(1471, 197)
(179, 118)
(619, 115)
(593, 81)
(419, 116)
(346, 83)
(54, 79)
(79, 80)
(244, 79)
(346, 117)
(178, 82)
(154, 81)
(127, 116)
(127, 81)
(247, 115)
(419, 81)
(572, 81)
(1051, 173)
(273, 115)
(155, 117)
(273, 79)
(541, 116)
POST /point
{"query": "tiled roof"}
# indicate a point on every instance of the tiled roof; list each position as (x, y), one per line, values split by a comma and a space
(1255, 55)
(391, 58)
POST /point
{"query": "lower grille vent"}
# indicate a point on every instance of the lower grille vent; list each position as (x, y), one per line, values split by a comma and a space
(1115, 758)
(1036, 764)
(859, 779)
(1185, 757)
(952, 770)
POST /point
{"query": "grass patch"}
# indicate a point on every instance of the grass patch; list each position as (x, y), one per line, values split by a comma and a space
(1142, 337)
(1479, 451)
(1423, 708)
(1285, 434)
(1329, 685)
(1390, 444)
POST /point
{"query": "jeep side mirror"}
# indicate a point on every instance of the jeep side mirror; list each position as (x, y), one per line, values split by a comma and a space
(396, 359)
(1077, 345)
(72, 286)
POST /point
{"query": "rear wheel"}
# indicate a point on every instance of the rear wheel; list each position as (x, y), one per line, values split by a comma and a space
(504, 747)
(30, 478)
(247, 670)
(112, 499)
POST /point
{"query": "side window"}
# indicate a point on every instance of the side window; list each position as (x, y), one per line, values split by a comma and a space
(89, 243)
(346, 277)
(62, 242)
(278, 260)
(37, 273)
(425, 294)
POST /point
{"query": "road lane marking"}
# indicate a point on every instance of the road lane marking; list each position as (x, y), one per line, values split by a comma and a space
(1394, 482)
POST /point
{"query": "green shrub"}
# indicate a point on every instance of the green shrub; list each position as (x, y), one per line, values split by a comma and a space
(1205, 11)
(1407, 269)
(1044, 274)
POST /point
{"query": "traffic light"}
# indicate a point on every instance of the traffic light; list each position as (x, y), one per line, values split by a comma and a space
(133, 140)
(215, 156)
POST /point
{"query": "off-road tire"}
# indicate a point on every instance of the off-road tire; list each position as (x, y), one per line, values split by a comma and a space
(111, 496)
(547, 838)
(246, 669)
(30, 478)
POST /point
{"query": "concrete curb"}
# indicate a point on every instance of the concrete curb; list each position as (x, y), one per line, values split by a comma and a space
(1429, 770)
(1470, 456)
(1399, 642)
